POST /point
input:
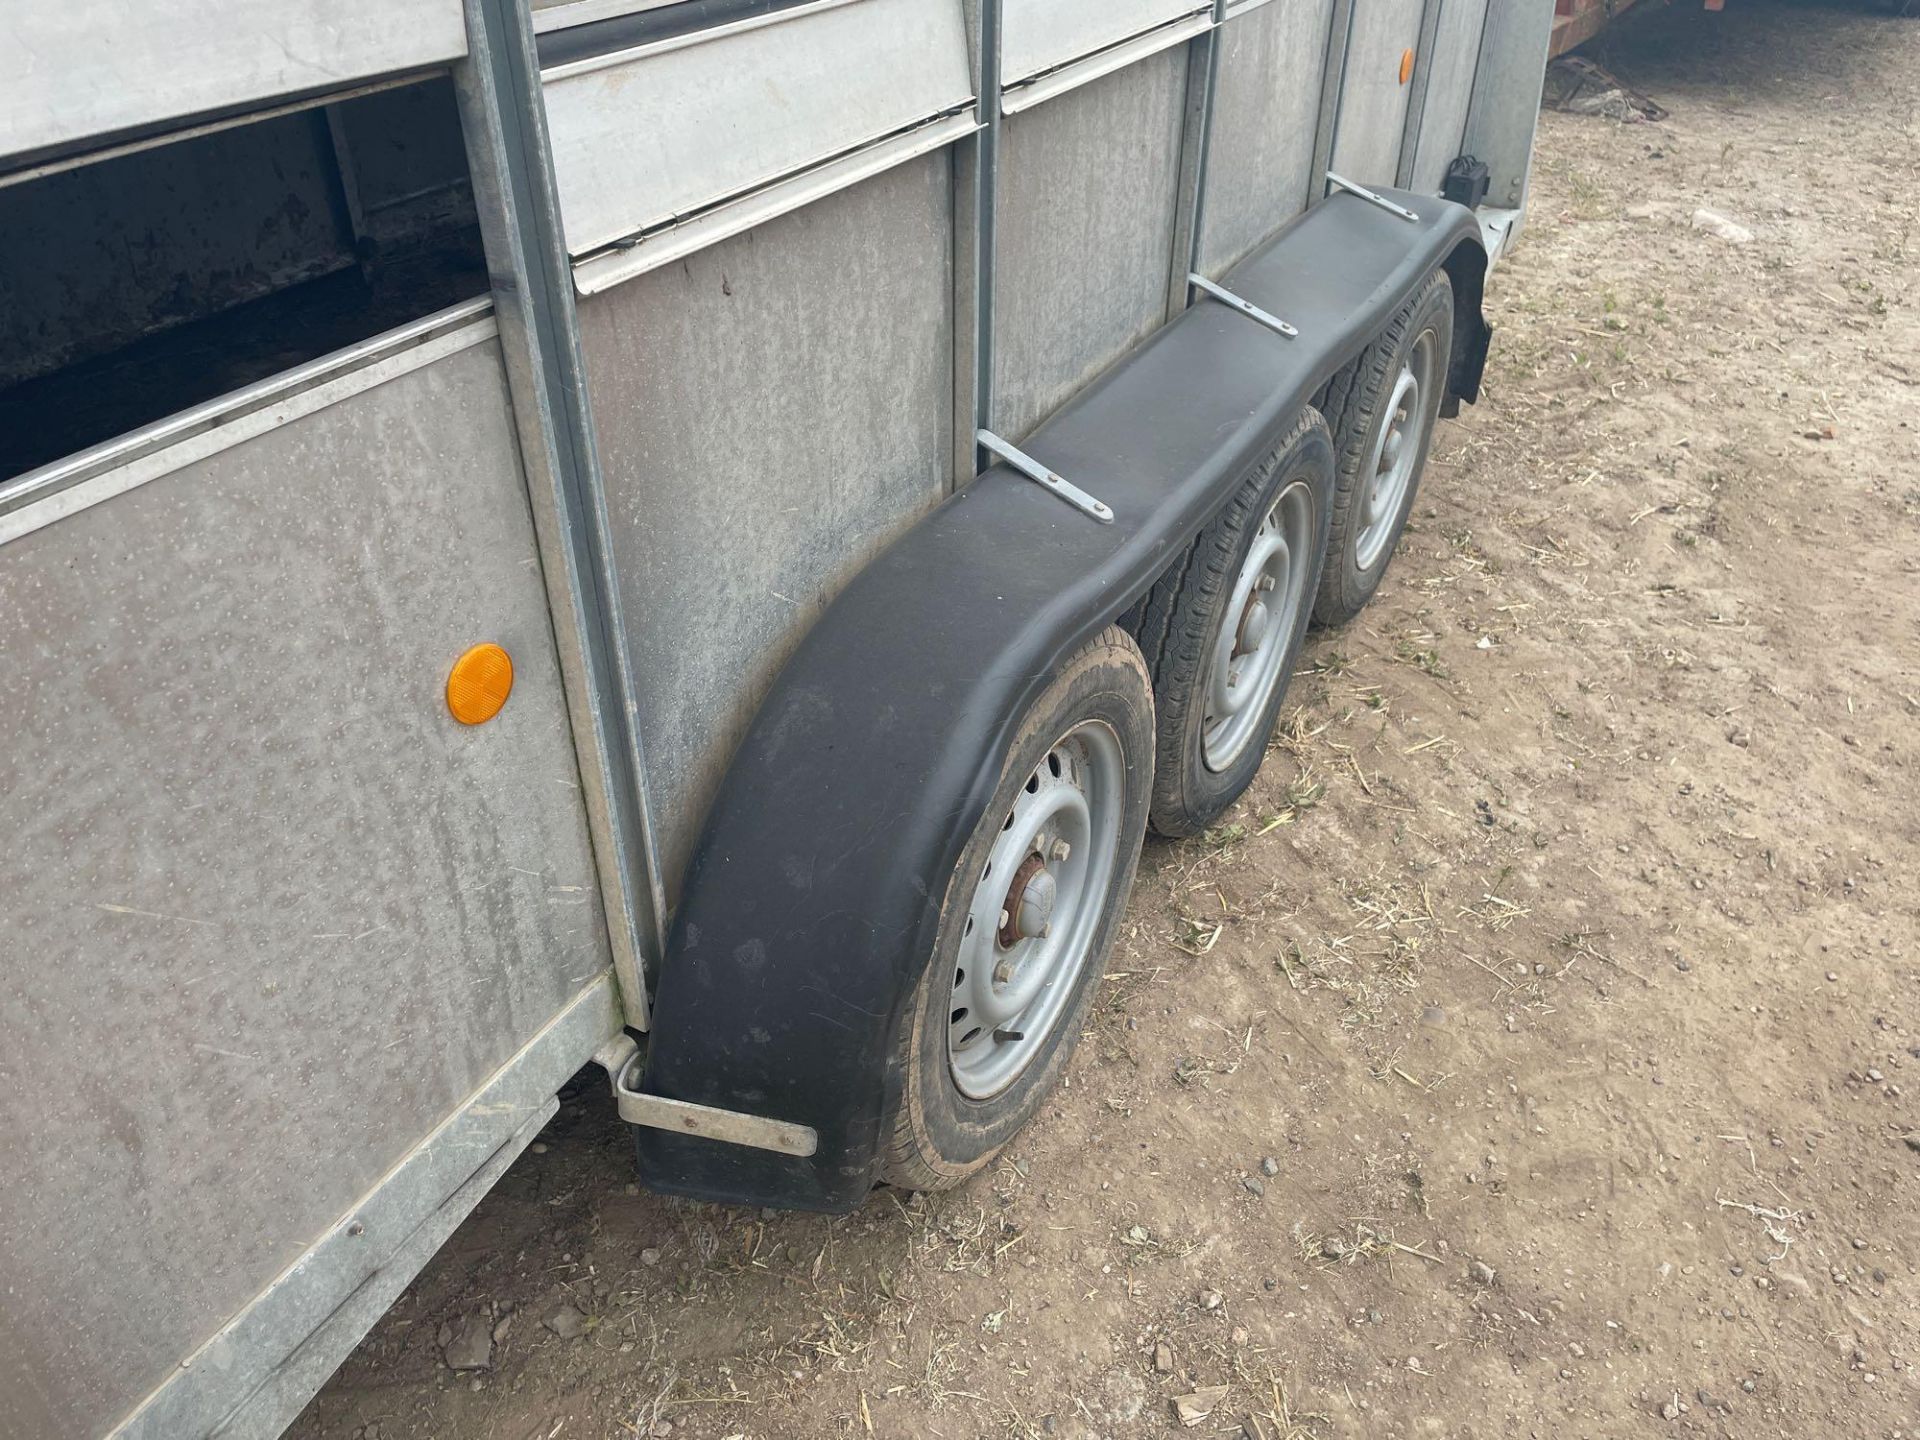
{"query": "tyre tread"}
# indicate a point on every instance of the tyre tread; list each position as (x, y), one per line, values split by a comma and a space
(1351, 401)
(1176, 655)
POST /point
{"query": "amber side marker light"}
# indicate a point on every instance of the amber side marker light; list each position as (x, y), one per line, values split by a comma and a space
(1406, 66)
(479, 683)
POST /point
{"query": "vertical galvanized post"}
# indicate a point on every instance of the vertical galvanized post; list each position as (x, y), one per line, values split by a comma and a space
(349, 173)
(1196, 134)
(504, 119)
(1333, 81)
(976, 195)
(969, 336)
(1417, 98)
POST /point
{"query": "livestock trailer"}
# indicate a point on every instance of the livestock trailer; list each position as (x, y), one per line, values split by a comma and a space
(696, 535)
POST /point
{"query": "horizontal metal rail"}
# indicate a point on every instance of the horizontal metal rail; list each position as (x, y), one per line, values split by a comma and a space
(612, 265)
(118, 465)
(588, 12)
(588, 64)
(1025, 93)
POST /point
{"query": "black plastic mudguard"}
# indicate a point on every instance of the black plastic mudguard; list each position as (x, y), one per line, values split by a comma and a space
(811, 902)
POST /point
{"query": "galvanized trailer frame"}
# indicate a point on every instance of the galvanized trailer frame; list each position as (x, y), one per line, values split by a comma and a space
(726, 384)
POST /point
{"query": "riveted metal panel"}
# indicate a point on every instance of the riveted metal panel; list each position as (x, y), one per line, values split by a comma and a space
(1040, 35)
(80, 69)
(1373, 101)
(771, 412)
(272, 914)
(642, 138)
(1265, 106)
(1085, 231)
(1454, 59)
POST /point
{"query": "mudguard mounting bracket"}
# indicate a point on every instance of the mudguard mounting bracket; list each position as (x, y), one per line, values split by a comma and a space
(1245, 307)
(620, 1058)
(1341, 183)
(1042, 476)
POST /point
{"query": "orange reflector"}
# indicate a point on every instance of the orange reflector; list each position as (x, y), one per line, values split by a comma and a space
(479, 683)
(1406, 66)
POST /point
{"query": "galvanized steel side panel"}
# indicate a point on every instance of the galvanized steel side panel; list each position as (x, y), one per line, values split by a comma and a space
(1373, 101)
(1266, 103)
(1454, 59)
(82, 68)
(1039, 35)
(771, 412)
(272, 914)
(1085, 234)
(643, 138)
(1506, 95)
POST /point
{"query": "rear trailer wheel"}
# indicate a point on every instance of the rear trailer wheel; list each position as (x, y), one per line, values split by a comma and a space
(1027, 920)
(1222, 629)
(1382, 409)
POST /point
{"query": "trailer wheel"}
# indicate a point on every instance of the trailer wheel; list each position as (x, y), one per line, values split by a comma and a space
(1027, 920)
(1221, 630)
(1382, 409)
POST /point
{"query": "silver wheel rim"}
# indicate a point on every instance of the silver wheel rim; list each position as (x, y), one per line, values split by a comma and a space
(1396, 454)
(1249, 654)
(1034, 914)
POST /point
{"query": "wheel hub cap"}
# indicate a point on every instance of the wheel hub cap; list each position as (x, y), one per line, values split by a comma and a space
(1029, 907)
(1253, 629)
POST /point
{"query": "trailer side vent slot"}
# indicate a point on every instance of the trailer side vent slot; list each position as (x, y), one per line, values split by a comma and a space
(139, 285)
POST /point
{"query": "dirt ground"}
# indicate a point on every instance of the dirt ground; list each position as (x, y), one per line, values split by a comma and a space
(1536, 1050)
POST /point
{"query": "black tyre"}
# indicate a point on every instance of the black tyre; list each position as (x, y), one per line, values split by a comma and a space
(1027, 920)
(1221, 630)
(1382, 409)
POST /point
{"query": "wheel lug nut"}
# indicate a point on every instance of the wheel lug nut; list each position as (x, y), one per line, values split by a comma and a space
(1003, 972)
(1061, 850)
(1004, 917)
